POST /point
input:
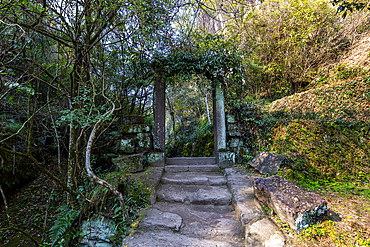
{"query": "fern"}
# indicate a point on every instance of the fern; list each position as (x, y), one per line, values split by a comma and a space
(63, 223)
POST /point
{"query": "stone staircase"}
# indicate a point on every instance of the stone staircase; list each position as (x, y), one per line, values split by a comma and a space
(190, 164)
(196, 205)
(193, 208)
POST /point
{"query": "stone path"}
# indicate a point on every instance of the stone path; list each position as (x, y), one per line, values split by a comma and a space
(195, 207)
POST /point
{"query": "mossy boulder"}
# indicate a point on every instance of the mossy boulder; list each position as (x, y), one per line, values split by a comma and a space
(129, 163)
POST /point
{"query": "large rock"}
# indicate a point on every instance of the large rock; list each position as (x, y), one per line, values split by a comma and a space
(267, 163)
(293, 205)
(129, 163)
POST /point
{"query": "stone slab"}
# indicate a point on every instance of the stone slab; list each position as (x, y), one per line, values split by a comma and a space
(155, 219)
(159, 110)
(194, 178)
(294, 206)
(191, 161)
(191, 168)
(194, 194)
(267, 163)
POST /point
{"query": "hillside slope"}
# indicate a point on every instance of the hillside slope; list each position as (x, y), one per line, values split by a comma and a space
(326, 133)
(343, 93)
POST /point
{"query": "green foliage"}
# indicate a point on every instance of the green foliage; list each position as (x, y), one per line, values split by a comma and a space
(329, 230)
(350, 73)
(325, 149)
(344, 6)
(286, 43)
(193, 140)
(135, 194)
(62, 226)
(212, 56)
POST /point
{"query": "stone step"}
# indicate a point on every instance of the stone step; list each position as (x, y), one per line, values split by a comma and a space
(191, 161)
(191, 168)
(194, 178)
(194, 194)
(155, 219)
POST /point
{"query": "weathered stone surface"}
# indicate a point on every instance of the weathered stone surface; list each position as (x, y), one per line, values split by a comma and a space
(191, 161)
(155, 219)
(129, 163)
(249, 211)
(156, 159)
(293, 205)
(159, 110)
(135, 128)
(219, 120)
(225, 159)
(132, 120)
(135, 143)
(230, 118)
(241, 186)
(233, 130)
(168, 238)
(267, 163)
(194, 178)
(98, 231)
(264, 233)
(217, 223)
(235, 142)
(198, 194)
(191, 168)
(126, 145)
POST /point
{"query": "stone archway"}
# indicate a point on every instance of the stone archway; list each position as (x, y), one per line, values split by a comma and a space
(223, 158)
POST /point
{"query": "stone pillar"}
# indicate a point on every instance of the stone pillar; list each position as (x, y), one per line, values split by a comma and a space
(223, 158)
(159, 96)
(219, 122)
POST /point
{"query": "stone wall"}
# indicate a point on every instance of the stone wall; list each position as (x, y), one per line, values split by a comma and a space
(135, 146)
(233, 135)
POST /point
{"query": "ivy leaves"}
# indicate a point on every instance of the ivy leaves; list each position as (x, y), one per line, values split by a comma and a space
(211, 55)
